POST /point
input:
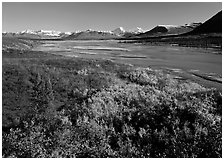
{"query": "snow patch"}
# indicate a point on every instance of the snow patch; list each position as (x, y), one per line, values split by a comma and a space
(168, 26)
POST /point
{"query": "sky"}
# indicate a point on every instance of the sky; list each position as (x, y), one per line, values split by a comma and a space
(104, 16)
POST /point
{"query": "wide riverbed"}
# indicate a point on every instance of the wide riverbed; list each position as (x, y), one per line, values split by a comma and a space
(201, 65)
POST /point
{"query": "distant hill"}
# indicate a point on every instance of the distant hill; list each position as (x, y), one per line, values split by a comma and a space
(163, 30)
(213, 25)
(15, 43)
(8, 34)
(29, 36)
(90, 34)
(133, 32)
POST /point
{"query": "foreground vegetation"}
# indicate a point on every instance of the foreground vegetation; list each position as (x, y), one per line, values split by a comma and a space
(63, 107)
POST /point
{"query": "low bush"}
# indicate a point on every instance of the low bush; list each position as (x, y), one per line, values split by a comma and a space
(79, 108)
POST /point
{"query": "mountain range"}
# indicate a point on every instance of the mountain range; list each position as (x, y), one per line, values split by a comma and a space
(212, 25)
(88, 34)
(39, 34)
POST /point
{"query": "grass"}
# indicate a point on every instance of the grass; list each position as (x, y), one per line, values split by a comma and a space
(71, 107)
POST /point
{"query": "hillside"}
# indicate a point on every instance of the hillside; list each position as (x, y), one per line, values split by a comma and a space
(12, 43)
(213, 25)
(8, 34)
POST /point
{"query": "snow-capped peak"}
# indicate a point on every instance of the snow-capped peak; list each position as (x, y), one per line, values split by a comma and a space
(119, 31)
(91, 30)
(49, 33)
(28, 31)
(122, 29)
(137, 30)
(68, 33)
(42, 32)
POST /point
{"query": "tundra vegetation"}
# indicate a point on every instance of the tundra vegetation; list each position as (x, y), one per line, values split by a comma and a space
(55, 106)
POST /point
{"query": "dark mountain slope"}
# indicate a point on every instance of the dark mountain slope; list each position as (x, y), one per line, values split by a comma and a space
(213, 25)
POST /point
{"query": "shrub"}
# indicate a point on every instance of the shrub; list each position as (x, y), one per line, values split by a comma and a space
(69, 110)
